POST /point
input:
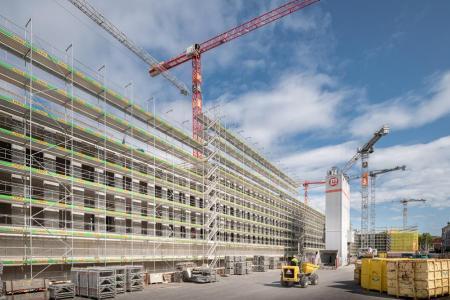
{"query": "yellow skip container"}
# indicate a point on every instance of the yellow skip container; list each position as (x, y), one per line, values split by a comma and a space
(374, 273)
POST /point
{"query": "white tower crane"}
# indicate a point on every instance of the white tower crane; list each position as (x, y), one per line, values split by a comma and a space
(405, 209)
(373, 176)
(363, 153)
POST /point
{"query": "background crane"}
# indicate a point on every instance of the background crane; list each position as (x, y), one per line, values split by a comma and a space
(405, 209)
(363, 153)
(306, 185)
(195, 51)
(109, 27)
(373, 176)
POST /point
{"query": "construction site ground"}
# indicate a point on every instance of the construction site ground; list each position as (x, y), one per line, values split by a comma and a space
(334, 284)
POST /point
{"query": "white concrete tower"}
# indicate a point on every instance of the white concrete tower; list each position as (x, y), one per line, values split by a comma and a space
(337, 214)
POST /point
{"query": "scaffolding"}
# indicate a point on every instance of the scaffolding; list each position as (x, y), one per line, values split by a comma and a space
(389, 240)
(87, 176)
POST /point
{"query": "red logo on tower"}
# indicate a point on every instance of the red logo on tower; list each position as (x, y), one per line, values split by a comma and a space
(333, 181)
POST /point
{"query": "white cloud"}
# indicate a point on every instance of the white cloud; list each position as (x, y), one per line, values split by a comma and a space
(428, 166)
(298, 103)
(406, 112)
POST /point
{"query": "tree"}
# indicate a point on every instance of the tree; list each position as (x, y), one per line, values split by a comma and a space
(425, 241)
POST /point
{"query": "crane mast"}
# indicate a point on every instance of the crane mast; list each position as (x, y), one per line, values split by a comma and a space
(405, 202)
(373, 176)
(195, 51)
(363, 154)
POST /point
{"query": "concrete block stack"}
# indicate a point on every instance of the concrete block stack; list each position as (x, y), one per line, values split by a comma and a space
(249, 268)
(260, 263)
(273, 263)
(240, 268)
(229, 265)
(2, 289)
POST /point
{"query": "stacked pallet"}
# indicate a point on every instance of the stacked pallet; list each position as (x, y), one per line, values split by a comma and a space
(260, 263)
(96, 282)
(420, 278)
(134, 278)
(2, 288)
(121, 279)
(75, 278)
(249, 267)
(240, 265)
(229, 265)
(273, 263)
(101, 283)
(59, 291)
(240, 268)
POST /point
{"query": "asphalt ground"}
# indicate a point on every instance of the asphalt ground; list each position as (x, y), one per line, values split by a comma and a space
(333, 284)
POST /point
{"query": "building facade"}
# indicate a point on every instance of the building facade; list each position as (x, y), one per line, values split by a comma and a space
(446, 237)
(87, 176)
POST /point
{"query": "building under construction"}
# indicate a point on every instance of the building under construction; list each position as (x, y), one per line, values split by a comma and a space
(389, 240)
(87, 176)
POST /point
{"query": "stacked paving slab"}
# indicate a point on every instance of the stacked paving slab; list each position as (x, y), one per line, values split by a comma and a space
(237, 265)
(240, 265)
(229, 265)
(260, 263)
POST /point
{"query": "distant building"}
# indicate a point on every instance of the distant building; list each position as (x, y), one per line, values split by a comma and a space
(446, 237)
(437, 244)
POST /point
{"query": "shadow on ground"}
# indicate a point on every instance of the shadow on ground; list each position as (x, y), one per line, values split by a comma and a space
(351, 287)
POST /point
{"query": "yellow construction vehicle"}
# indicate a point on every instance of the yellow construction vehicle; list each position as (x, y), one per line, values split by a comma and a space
(303, 276)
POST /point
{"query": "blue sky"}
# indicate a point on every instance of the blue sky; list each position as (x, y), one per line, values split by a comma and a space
(309, 88)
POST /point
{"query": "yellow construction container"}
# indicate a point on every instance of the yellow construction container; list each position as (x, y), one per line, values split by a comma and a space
(365, 272)
(403, 241)
(382, 254)
(357, 272)
(374, 273)
(418, 278)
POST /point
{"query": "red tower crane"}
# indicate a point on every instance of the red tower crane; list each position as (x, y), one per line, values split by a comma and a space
(195, 51)
(306, 185)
